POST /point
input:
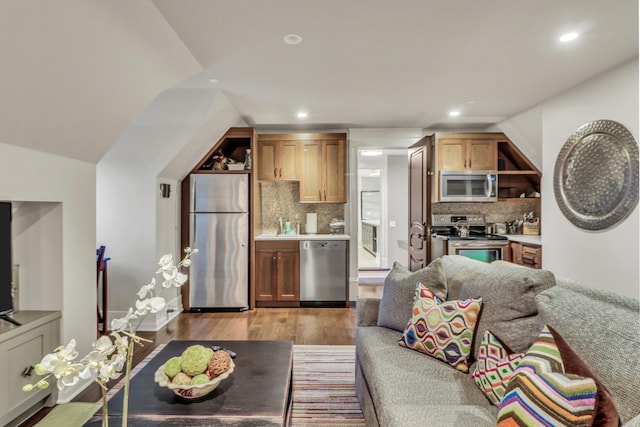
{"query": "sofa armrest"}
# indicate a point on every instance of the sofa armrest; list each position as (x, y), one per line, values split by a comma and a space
(367, 311)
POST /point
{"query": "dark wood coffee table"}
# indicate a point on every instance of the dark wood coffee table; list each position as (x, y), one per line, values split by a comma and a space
(257, 393)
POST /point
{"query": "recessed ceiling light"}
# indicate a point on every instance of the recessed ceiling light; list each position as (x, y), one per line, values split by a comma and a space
(213, 81)
(292, 39)
(568, 37)
(371, 153)
(302, 115)
(454, 113)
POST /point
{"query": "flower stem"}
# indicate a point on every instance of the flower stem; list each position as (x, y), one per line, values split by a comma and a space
(105, 406)
(127, 379)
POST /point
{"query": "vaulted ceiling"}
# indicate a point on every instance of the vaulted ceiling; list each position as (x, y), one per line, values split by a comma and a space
(77, 73)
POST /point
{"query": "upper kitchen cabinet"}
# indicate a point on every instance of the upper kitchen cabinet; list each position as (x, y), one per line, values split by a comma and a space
(278, 158)
(322, 164)
(517, 176)
(466, 152)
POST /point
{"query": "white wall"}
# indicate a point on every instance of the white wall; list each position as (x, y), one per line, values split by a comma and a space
(397, 210)
(607, 259)
(135, 224)
(59, 216)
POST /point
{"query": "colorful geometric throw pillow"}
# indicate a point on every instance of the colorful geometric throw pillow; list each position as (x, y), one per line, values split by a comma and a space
(443, 330)
(494, 367)
(540, 393)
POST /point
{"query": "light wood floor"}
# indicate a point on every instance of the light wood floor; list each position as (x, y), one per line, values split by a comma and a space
(317, 326)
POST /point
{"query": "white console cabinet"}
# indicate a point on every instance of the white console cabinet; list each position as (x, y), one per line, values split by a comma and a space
(21, 348)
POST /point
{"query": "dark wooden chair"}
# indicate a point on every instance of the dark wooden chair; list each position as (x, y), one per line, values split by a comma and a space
(102, 288)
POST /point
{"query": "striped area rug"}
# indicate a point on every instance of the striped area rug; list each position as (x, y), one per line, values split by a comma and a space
(324, 391)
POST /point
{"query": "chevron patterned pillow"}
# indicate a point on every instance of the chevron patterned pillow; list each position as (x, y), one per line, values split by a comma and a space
(540, 393)
(442, 329)
(494, 367)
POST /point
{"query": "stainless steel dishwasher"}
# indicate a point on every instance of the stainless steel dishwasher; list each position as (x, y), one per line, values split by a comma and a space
(323, 273)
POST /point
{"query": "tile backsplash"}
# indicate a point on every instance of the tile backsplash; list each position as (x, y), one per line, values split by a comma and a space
(282, 199)
(493, 212)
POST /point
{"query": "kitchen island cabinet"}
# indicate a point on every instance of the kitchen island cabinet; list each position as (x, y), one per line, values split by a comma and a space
(277, 273)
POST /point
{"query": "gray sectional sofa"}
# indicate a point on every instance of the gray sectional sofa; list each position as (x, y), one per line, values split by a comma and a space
(398, 386)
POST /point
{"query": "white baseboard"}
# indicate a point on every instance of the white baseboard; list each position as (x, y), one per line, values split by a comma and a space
(155, 322)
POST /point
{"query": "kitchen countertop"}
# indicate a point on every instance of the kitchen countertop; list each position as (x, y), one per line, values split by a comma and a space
(373, 222)
(525, 238)
(303, 237)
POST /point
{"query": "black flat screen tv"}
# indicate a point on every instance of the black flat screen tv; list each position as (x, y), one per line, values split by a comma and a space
(6, 276)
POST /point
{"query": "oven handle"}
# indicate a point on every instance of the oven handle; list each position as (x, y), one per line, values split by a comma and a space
(479, 244)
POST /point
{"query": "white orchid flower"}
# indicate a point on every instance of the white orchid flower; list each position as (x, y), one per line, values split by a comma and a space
(150, 305)
(173, 277)
(109, 371)
(104, 345)
(166, 262)
(119, 325)
(146, 289)
(186, 263)
(121, 342)
(68, 374)
(118, 361)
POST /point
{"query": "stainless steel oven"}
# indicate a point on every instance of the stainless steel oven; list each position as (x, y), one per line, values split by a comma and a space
(481, 250)
(464, 234)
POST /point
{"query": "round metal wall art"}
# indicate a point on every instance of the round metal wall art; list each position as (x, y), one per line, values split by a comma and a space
(595, 179)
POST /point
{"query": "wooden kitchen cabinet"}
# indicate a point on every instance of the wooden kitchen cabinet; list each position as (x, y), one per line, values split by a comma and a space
(322, 163)
(277, 279)
(277, 158)
(467, 154)
(526, 254)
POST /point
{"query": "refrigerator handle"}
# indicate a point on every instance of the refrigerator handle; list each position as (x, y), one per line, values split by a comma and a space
(192, 231)
(192, 199)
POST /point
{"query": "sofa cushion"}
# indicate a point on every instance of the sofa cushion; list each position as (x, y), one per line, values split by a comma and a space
(399, 376)
(494, 367)
(399, 290)
(509, 310)
(602, 328)
(443, 330)
(541, 393)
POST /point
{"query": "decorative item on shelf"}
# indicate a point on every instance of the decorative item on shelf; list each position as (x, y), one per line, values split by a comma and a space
(220, 161)
(196, 372)
(111, 355)
(247, 159)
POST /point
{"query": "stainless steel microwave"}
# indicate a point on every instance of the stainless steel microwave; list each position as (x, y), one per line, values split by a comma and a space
(468, 186)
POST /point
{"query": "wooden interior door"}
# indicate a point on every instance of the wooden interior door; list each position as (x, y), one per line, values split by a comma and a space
(420, 204)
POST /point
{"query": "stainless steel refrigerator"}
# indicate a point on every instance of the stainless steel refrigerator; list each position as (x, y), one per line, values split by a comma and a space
(219, 228)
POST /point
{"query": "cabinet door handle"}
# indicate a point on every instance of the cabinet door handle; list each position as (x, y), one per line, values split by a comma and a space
(465, 162)
(319, 195)
(325, 195)
(469, 161)
(27, 371)
(275, 172)
(280, 172)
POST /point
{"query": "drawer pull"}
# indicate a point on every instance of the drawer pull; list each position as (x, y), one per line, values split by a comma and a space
(27, 371)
